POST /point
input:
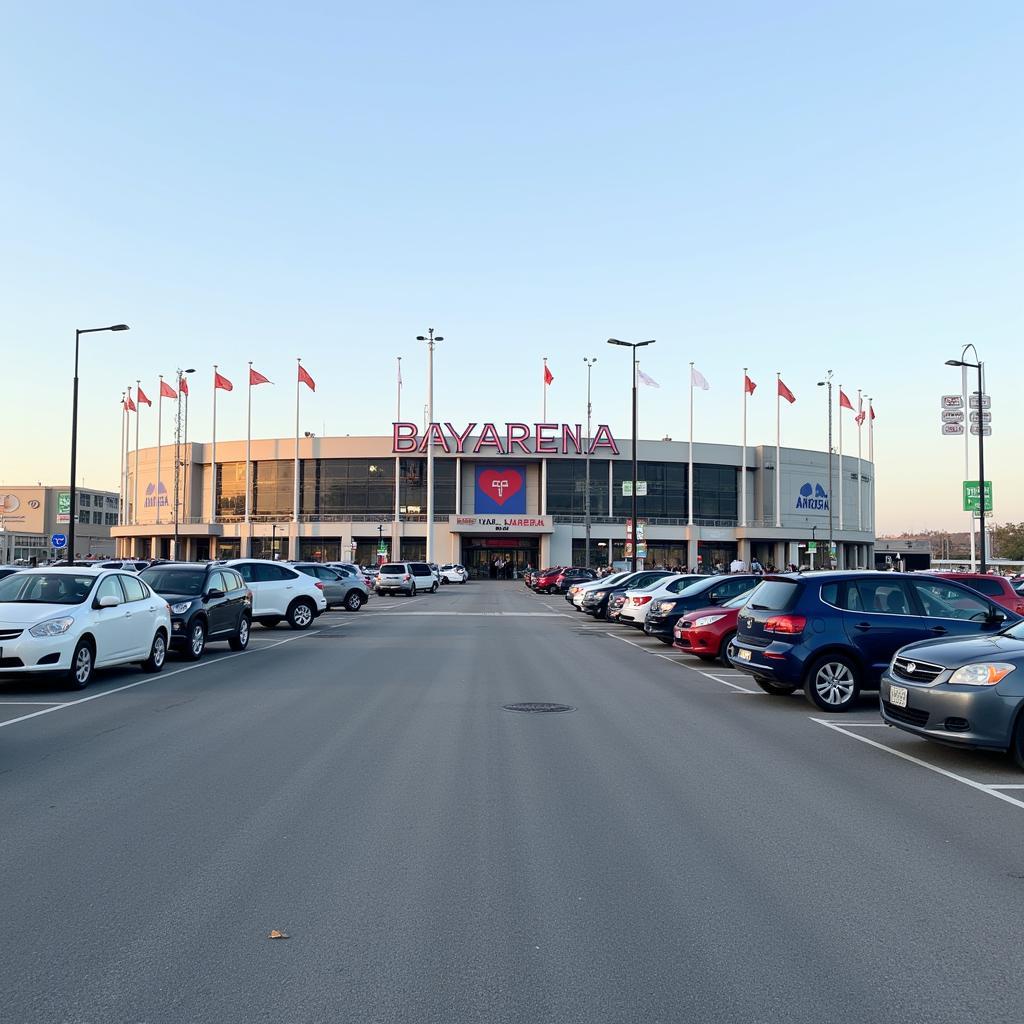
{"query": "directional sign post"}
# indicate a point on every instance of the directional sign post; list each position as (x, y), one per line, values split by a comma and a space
(972, 496)
(952, 428)
(985, 402)
(952, 401)
(59, 540)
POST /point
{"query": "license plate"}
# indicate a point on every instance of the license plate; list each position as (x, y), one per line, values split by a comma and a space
(743, 654)
(898, 696)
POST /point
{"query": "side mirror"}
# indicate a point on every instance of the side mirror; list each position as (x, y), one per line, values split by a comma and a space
(213, 594)
(714, 597)
(996, 616)
(110, 601)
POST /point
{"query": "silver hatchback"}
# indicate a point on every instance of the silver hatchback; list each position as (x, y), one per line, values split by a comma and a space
(395, 578)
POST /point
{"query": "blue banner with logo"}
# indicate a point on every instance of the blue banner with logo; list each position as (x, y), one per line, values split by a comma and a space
(501, 489)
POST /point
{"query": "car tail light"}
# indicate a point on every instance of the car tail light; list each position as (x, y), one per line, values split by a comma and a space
(319, 585)
(785, 624)
(407, 577)
(640, 600)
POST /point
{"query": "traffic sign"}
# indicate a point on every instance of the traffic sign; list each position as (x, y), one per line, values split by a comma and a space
(952, 401)
(952, 416)
(952, 428)
(972, 496)
(58, 540)
(985, 431)
(812, 546)
(980, 417)
(986, 402)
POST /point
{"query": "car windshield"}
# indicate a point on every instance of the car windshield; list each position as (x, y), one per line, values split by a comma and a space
(45, 588)
(1016, 631)
(392, 570)
(188, 582)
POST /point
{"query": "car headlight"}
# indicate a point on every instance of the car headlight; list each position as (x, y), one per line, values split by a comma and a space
(986, 673)
(706, 620)
(666, 606)
(600, 593)
(181, 607)
(52, 627)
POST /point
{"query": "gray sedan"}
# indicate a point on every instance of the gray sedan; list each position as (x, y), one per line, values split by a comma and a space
(960, 692)
(340, 590)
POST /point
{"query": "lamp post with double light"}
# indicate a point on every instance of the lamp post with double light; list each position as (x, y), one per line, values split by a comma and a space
(980, 367)
(73, 506)
(430, 338)
(634, 345)
(586, 501)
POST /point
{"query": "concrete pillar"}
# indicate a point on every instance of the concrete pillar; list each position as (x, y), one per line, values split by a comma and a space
(691, 549)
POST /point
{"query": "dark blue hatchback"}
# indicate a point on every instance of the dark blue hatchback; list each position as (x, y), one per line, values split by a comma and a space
(833, 633)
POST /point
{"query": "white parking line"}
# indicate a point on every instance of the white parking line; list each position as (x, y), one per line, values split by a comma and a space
(149, 679)
(992, 791)
(673, 661)
(12, 703)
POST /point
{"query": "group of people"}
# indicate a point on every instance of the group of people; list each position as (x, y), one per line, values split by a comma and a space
(502, 568)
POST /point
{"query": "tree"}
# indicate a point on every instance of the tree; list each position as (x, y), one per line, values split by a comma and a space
(1008, 541)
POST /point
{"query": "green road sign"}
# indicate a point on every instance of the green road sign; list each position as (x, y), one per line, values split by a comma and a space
(63, 502)
(972, 496)
(812, 546)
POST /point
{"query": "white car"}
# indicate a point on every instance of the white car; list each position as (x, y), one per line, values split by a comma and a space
(639, 602)
(579, 590)
(280, 592)
(74, 620)
(454, 573)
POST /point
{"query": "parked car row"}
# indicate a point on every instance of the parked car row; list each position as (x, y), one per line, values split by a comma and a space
(941, 649)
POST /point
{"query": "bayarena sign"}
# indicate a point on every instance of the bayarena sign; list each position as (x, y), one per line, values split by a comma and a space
(516, 438)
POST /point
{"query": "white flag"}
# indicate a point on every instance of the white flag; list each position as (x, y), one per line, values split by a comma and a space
(646, 379)
(698, 380)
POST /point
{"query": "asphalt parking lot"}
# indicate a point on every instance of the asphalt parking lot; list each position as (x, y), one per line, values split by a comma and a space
(679, 846)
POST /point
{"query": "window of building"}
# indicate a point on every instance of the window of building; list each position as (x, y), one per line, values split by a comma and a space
(335, 487)
(84, 500)
(83, 517)
(231, 489)
(111, 518)
(413, 487)
(97, 518)
(715, 492)
(272, 487)
(666, 489)
(567, 487)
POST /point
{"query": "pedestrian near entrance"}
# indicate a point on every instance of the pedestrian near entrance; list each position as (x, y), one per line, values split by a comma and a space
(756, 567)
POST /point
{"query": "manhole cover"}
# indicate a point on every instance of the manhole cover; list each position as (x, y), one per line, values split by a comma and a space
(537, 706)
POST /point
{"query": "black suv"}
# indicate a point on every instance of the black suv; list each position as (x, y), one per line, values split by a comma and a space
(208, 602)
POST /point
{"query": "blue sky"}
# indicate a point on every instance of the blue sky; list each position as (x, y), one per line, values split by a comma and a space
(776, 186)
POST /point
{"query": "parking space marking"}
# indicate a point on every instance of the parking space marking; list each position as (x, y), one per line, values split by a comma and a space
(673, 661)
(981, 787)
(149, 679)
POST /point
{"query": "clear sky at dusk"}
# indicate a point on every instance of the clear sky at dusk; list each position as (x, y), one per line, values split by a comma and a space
(787, 186)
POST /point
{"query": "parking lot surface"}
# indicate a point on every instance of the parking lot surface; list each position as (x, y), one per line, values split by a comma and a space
(678, 847)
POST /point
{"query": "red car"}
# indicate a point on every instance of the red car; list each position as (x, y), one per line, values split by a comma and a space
(996, 588)
(543, 582)
(708, 631)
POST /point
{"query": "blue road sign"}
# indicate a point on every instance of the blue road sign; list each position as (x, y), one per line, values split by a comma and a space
(58, 540)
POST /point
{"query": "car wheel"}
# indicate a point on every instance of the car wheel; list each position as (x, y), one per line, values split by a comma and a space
(833, 683)
(157, 653)
(723, 650)
(196, 641)
(444, 579)
(301, 615)
(433, 589)
(269, 623)
(353, 600)
(83, 662)
(240, 640)
(462, 582)
(774, 688)
(666, 640)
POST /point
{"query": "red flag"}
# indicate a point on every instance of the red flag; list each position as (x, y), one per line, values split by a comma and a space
(142, 397)
(785, 393)
(222, 382)
(304, 378)
(129, 404)
(255, 377)
(183, 384)
(871, 409)
(844, 402)
(548, 375)
(748, 385)
(167, 391)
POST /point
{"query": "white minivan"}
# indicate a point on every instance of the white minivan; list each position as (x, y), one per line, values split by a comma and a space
(280, 592)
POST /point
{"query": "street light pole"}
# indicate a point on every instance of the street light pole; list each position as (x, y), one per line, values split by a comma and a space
(980, 367)
(634, 345)
(586, 456)
(827, 384)
(430, 338)
(72, 509)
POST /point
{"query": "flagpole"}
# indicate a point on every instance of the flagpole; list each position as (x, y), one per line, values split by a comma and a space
(135, 482)
(398, 462)
(213, 453)
(840, 459)
(860, 468)
(689, 474)
(398, 407)
(778, 452)
(298, 363)
(248, 460)
(124, 416)
(185, 461)
(871, 458)
(743, 458)
(544, 392)
(159, 441)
